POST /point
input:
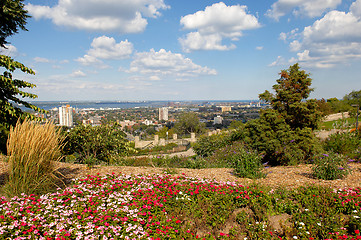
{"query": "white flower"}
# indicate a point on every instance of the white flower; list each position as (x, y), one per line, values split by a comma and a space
(295, 237)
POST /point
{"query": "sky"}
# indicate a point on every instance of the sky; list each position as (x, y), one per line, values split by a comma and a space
(130, 50)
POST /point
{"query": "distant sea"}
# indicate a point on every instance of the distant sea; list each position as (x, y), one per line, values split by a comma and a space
(48, 105)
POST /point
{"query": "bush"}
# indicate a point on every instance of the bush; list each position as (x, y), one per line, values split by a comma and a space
(33, 150)
(247, 164)
(330, 166)
(207, 145)
(103, 143)
(345, 143)
(273, 137)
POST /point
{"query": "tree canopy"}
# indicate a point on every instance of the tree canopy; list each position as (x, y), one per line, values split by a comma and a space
(284, 133)
(291, 91)
(12, 17)
(189, 123)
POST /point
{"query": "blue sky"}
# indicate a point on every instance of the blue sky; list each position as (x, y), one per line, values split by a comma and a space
(186, 50)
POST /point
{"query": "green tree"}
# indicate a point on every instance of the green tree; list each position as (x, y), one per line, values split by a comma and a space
(291, 91)
(352, 98)
(284, 133)
(188, 123)
(162, 133)
(12, 17)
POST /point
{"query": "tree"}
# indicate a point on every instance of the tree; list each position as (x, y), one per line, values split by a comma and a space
(292, 90)
(12, 17)
(189, 123)
(284, 133)
(352, 98)
(162, 133)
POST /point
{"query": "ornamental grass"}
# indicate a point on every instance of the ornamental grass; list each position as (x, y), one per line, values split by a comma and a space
(33, 150)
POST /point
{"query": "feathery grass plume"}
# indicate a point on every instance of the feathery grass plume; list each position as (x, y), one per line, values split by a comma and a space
(33, 150)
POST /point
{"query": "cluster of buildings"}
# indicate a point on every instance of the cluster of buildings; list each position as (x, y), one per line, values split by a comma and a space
(212, 115)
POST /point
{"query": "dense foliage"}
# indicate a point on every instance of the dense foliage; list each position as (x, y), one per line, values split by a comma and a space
(284, 133)
(291, 91)
(164, 207)
(12, 17)
(207, 145)
(346, 143)
(189, 123)
(278, 142)
(92, 144)
(330, 166)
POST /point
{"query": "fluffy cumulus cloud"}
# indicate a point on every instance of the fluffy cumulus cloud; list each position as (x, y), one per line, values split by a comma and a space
(214, 24)
(106, 48)
(126, 16)
(331, 40)
(77, 73)
(309, 8)
(157, 65)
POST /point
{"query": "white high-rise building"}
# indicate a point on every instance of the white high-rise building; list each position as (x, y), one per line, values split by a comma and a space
(163, 114)
(66, 116)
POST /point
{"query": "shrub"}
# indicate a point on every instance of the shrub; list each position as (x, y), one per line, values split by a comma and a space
(345, 143)
(330, 166)
(33, 150)
(97, 144)
(273, 137)
(207, 145)
(247, 164)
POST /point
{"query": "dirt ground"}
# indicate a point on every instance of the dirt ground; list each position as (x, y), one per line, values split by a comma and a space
(285, 176)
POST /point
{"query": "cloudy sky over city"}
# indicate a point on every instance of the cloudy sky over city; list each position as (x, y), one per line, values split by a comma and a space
(186, 49)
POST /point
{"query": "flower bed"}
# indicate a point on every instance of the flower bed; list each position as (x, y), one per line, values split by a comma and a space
(166, 207)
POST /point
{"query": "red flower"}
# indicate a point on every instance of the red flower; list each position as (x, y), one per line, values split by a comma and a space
(357, 231)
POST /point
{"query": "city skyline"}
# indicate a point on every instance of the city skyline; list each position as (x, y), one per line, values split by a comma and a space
(186, 50)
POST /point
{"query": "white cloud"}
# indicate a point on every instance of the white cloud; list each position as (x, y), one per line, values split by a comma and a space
(41, 60)
(160, 64)
(89, 60)
(215, 23)
(106, 48)
(279, 61)
(154, 78)
(331, 40)
(124, 16)
(309, 8)
(77, 73)
(259, 48)
(356, 8)
(10, 51)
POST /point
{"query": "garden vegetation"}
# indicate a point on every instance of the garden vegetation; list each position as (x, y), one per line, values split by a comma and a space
(166, 207)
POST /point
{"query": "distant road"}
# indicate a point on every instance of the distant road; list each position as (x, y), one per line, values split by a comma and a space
(187, 153)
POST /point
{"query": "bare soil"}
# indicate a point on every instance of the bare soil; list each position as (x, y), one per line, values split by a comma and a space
(281, 176)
